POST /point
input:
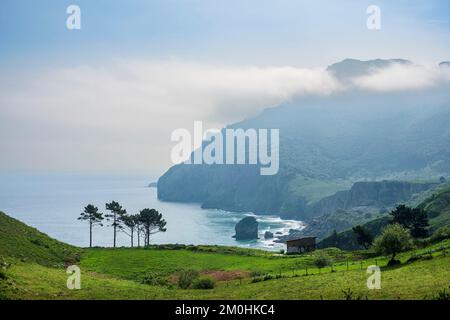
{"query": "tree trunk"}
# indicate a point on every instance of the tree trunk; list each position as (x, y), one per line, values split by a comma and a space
(114, 225)
(90, 234)
(132, 230)
(139, 237)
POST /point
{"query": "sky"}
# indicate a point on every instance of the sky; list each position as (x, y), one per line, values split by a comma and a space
(105, 98)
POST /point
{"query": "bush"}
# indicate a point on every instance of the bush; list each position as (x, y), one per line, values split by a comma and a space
(186, 278)
(267, 277)
(3, 275)
(257, 279)
(154, 279)
(322, 262)
(441, 234)
(204, 283)
(256, 273)
(350, 295)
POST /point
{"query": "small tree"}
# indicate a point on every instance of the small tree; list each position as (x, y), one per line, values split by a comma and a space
(116, 216)
(393, 240)
(130, 224)
(93, 217)
(152, 223)
(363, 236)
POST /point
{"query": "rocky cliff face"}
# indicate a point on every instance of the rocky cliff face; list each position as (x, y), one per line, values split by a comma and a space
(380, 194)
(238, 188)
(364, 202)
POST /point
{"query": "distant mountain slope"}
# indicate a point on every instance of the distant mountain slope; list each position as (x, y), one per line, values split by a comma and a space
(437, 206)
(326, 144)
(380, 194)
(17, 240)
(350, 68)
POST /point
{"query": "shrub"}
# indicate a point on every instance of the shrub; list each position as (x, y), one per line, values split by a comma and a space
(350, 295)
(3, 275)
(186, 278)
(322, 262)
(256, 273)
(441, 234)
(154, 279)
(257, 279)
(204, 283)
(267, 277)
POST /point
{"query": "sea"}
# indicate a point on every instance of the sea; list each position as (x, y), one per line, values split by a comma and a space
(53, 202)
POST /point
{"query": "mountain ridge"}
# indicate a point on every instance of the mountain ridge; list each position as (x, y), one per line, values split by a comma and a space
(327, 143)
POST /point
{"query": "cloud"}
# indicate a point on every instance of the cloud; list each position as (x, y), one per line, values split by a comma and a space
(89, 117)
(400, 77)
(121, 114)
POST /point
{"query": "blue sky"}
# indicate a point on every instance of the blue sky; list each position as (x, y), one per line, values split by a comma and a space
(106, 98)
(265, 32)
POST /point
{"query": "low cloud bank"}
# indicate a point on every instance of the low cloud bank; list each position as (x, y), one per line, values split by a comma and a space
(130, 108)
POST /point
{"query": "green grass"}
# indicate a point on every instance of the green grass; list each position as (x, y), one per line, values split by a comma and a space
(19, 241)
(417, 280)
(133, 263)
(32, 266)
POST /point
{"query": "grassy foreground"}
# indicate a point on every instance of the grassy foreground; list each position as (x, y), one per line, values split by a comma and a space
(116, 274)
(33, 266)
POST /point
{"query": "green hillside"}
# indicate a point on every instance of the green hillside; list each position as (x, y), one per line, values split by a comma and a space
(437, 206)
(120, 274)
(32, 267)
(21, 242)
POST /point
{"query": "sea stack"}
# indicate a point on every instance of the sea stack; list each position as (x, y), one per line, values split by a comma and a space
(268, 235)
(246, 229)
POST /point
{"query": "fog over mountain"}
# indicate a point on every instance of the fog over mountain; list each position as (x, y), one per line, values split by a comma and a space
(364, 131)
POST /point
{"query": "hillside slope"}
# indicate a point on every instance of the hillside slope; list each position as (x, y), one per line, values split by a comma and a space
(19, 241)
(437, 207)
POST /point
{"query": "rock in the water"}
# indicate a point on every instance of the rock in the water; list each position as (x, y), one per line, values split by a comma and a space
(246, 229)
(268, 235)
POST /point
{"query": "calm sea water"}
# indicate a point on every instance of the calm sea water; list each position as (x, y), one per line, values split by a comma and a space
(52, 203)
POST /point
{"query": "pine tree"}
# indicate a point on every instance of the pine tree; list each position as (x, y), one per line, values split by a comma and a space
(116, 216)
(94, 217)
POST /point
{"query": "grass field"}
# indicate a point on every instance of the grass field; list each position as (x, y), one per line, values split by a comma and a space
(33, 266)
(116, 274)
